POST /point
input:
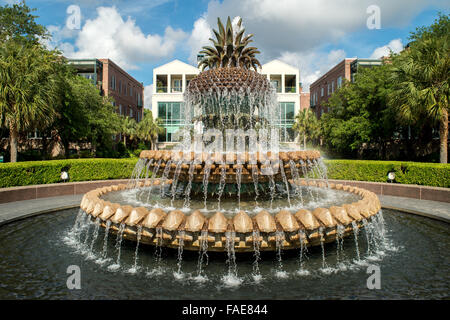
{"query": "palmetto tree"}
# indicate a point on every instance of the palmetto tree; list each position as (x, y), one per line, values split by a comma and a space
(27, 89)
(420, 79)
(128, 128)
(307, 125)
(230, 48)
(149, 128)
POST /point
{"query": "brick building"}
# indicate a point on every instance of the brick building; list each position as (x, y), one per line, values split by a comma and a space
(304, 99)
(322, 89)
(113, 81)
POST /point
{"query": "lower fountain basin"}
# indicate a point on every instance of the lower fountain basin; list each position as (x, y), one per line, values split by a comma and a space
(36, 252)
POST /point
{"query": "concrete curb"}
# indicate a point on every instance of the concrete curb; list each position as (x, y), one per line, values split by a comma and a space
(74, 188)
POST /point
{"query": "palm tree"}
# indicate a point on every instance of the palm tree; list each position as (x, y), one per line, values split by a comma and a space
(420, 79)
(229, 48)
(149, 128)
(128, 128)
(27, 89)
(307, 125)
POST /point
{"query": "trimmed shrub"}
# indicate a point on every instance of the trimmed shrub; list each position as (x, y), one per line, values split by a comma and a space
(42, 172)
(426, 174)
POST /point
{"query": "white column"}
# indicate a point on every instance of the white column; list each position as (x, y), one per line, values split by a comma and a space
(169, 83)
(183, 84)
(282, 83)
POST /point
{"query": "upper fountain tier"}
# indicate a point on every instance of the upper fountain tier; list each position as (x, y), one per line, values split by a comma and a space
(229, 79)
(231, 97)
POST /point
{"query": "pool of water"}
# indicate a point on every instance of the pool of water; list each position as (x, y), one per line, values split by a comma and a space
(300, 198)
(35, 253)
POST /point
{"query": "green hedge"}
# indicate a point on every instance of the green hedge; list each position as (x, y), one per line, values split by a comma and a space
(426, 174)
(42, 172)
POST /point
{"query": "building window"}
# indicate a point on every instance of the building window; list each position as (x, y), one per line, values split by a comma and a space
(120, 109)
(321, 92)
(170, 114)
(131, 113)
(120, 86)
(285, 121)
(339, 82)
(332, 86)
(35, 134)
(176, 85)
(131, 91)
(113, 83)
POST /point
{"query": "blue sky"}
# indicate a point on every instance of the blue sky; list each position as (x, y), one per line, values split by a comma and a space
(312, 35)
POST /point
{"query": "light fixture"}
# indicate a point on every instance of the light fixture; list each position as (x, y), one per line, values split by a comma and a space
(64, 175)
(391, 176)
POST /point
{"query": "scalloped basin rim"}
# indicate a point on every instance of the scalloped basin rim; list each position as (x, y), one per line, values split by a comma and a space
(305, 227)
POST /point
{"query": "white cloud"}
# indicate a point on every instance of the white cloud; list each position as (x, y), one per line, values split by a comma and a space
(148, 92)
(296, 31)
(198, 38)
(292, 25)
(395, 46)
(110, 36)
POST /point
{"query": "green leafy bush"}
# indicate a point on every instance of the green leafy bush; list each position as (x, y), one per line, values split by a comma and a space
(426, 174)
(42, 172)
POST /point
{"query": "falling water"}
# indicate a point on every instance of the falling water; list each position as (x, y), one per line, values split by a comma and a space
(118, 247)
(152, 179)
(368, 234)
(221, 185)
(138, 239)
(238, 180)
(202, 254)
(181, 234)
(305, 175)
(78, 221)
(323, 170)
(322, 240)
(95, 235)
(283, 175)
(164, 177)
(105, 239)
(207, 171)
(279, 237)
(175, 181)
(255, 181)
(187, 193)
(272, 189)
(355, 235)
(339, 243)
(232, 268)
(257, 255)
(296, 178)
(159, 241)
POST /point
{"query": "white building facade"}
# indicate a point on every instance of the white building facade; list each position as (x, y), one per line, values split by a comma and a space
(171, 80)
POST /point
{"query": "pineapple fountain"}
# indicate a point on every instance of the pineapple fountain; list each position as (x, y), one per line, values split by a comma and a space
(249, 197)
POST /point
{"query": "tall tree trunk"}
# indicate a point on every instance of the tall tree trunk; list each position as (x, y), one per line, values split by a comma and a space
(125, 140)
(13, 142)
(304, 141)
(443, 136)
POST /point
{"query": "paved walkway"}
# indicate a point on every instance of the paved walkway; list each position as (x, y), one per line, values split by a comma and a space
(431, 209)
(13, 211)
